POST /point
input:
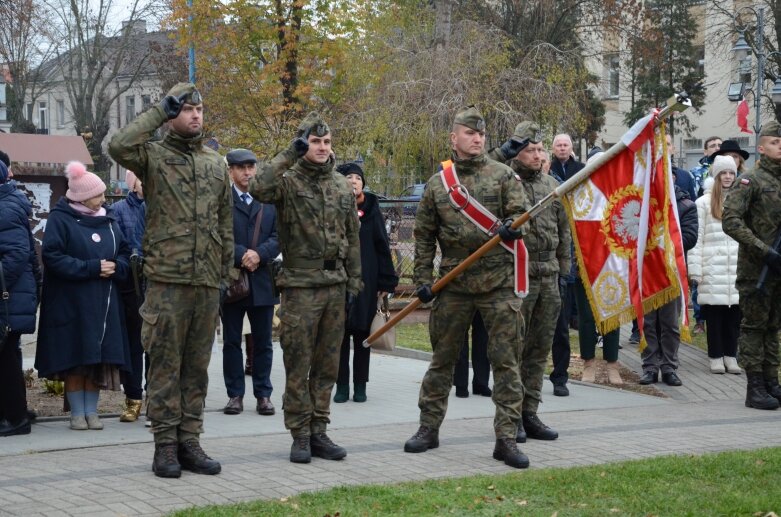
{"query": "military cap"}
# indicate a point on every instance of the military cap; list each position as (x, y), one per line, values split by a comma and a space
(314, 124)
(470, 118)
(193, 96)
(240, 157)
(527, 130)
(772, 128)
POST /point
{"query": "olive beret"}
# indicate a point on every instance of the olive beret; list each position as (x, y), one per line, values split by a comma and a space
(771, 128)
(527, 130)
(189, 89)
(315, 124)
(470, 118)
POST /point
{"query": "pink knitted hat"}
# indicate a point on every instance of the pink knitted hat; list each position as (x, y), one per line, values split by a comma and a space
(82, 185)
(130, 179)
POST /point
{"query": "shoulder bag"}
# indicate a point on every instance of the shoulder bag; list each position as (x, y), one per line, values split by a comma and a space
(240, 288)
(387, 341)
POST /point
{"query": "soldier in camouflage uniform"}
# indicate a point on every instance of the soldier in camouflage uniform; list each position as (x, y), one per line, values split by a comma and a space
(188, 248)
(548, 243)
(321, 276)
(752, 216)
(486, 287)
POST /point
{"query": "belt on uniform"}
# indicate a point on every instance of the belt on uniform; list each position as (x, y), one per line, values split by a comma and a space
(541, 256)
(324, 264)
(462, 253)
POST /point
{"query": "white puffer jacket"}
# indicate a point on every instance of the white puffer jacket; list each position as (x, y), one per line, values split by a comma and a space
(713, 261)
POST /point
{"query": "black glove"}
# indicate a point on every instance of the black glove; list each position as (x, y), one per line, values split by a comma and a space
(773, 259)
(424, 293)
(349, 301)
(300, 144)
(512, 147)
(223, 292)
(507, 233)
(172, 106)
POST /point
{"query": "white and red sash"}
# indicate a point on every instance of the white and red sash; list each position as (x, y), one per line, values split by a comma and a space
(487, 222)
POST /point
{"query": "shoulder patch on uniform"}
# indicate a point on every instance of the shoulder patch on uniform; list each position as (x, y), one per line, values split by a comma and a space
(745, 181)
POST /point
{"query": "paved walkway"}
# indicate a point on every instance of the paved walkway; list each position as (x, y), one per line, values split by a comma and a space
(55, 471)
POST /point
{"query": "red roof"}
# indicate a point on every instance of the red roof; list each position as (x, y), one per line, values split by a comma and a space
(44, 149)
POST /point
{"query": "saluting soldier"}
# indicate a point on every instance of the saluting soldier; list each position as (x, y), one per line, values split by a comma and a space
(188, 248)
(320, 278)
(548, 243)
(487, 286)
(752, 216)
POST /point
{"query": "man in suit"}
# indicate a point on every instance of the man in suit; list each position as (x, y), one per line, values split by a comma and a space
(259, 305)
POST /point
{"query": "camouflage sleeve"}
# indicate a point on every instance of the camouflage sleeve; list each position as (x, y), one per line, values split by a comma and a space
(425, 233)
(736, 207)
(563, 250)
(128, 145)
(353, 261)
(226, 229)
(266, 186)
(496, 155)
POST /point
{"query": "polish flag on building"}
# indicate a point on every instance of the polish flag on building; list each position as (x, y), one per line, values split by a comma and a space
(742, 116)
(626, 231)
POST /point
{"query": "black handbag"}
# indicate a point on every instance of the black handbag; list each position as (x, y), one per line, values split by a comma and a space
(5, 328)
(240, 288)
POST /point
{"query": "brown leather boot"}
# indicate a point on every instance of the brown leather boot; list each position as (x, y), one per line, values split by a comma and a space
(249, 345)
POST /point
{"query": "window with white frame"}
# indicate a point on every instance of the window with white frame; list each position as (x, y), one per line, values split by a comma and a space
(43, 118)
(130, 108)
(612, 69)
(61, 113)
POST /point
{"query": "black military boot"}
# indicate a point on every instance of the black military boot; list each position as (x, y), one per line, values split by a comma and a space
(323, 447)
(192, 458)
(505, 450)
(424, 439)
(520, 435)
(166, 464)
(300, 451)
(756, 393)
(772, 387)
(535, 428)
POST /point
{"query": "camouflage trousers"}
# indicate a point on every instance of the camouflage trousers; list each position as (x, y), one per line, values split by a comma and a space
(311, 331)
(541, 309)
(178, 333)
(758, 339)
(451, 316)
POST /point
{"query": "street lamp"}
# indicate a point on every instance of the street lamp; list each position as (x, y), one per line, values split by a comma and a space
(741, 51)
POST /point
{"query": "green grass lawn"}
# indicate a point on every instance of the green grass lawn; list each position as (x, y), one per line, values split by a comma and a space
(413, 335)
(731, 483)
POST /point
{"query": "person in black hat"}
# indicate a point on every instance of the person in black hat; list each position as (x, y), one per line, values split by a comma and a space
(379, 278)
(255, 246)
(732, 148)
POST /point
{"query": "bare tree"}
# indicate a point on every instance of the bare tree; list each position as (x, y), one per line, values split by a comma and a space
(98, 61)
(23, 46)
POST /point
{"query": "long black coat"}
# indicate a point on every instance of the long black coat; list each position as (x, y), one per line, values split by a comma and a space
(376, 264)
(687, 213)
(81, 316)
(566, 171)
(244, 218)
(17, 253)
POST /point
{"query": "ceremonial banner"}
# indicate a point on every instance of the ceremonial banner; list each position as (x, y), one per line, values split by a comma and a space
(625, 228)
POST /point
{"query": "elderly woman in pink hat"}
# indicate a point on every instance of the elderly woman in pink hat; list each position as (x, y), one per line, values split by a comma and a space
(80, 336)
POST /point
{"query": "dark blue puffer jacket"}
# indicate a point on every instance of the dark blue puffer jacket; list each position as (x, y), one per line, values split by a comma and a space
(130, 214)
(18, 257)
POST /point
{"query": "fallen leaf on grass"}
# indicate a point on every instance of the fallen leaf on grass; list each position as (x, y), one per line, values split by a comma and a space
(760, 462)
(491, 487)
(500, 498)
(602, 474)
(458, 489)
(522, 503)
(614, 510)
(283, 499)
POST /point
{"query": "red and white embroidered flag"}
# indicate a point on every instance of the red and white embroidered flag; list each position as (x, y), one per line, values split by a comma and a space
(625, 227)
(742, 116)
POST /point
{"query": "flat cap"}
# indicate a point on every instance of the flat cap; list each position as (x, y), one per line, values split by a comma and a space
(314, 124)
(193, 96)
(527, 130)
(240, 157)
(470, 118)
(772, 128)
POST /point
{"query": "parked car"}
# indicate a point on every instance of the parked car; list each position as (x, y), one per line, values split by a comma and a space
(412, 193)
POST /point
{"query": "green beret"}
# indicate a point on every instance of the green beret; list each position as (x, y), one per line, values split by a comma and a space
(771, 128)
(470, 118)
(188, 89)
(315, 124)
(527, 130)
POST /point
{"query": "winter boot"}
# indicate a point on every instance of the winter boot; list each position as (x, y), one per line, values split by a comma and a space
(166, 464)
(424, 439)
(613, 374)
(535, 428)
(589, 371)
(342, 393)
(323, 447)
(506, 450)
(131, 411)
(757, 396)
(772, 387)
(717, 365)
(359, 395)
(194, 459)
(300, 451)
(731, 365)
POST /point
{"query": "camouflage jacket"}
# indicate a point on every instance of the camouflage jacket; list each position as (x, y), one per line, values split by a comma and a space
(499, 190)
(548, 235)
(189, 214)
(317, 222)
(752, 216)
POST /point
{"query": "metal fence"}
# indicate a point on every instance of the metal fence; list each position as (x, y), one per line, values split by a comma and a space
(399, 223)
